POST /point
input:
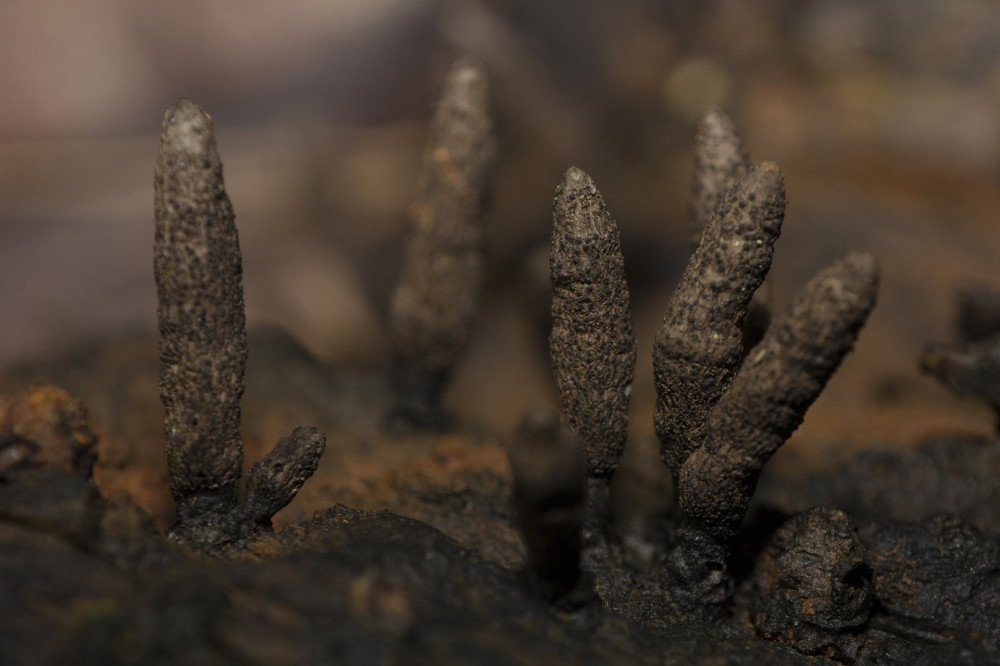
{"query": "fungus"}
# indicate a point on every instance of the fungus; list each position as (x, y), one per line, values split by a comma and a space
(203, 345)
(275, 479)
(720, 419)
(720, 159)
(548, 498)
(700, 346)
(591, 346)
(971, 367)
(437, 296)
(770, 394)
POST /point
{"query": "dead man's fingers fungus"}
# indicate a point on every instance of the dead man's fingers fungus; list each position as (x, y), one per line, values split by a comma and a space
(203, 348)
(700, 346)
(203, 344)
(592, 347)
(437, 295)
(769, 397)
(275, 479)
(719, 161)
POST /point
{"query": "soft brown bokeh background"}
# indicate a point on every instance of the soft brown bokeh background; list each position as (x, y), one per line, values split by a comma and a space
(882, 115)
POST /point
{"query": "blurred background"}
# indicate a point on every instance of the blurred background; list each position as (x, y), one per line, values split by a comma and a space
(882, 114)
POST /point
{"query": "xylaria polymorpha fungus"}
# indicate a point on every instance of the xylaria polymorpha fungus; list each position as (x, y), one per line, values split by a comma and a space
(768, 398)
(202, 321)
(719, 161)
(724, 407)
(203, 347)
(592, 347)
(437, 295)
(701, 344)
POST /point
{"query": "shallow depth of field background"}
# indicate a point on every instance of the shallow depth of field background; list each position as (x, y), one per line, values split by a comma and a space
(884, 116)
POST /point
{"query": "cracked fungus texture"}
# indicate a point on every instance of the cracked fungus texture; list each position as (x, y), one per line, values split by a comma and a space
(769, 396)
(203, 347)
(700, 346)
(592, 346)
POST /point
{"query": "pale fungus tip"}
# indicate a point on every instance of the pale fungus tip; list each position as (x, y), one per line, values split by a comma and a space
(576, 178)
(467, 75)
(187, 128)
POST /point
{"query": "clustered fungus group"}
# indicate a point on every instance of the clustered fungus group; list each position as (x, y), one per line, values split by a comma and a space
(727, 398)
(732, 383)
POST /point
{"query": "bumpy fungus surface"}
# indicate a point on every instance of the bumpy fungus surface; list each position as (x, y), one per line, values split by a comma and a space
(768, 398)
(719, 161)
(203, 345)
(275, 479)
(437, 296)
(89, 580)
(700, 346)
(591, 346)
(723, 408)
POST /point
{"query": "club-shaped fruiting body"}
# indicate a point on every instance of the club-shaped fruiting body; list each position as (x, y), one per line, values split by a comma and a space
(203, 348)
(770, 394)
(701, 344)
(592, 347)
(203, 345)
(719, 161)
(726, 401)
(275, 479)
(437, 295)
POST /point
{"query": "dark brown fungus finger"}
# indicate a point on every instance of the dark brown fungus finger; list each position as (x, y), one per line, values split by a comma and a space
(769, 396)
(275, 479)
(591, 346)
(437, 296)
(700, 346)
(203, 345)
(203, 348)
(971, 367)
(548, 498)
(720, 160)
